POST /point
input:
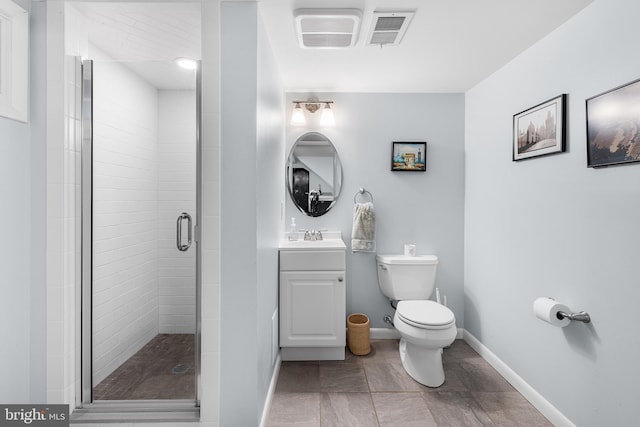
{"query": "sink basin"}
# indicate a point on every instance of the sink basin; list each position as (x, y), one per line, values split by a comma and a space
(313, 244)
(331, 240)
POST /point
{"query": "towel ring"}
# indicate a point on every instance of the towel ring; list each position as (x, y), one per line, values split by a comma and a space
(363, 192)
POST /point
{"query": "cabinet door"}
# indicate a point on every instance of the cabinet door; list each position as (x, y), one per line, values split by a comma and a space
(312, 309)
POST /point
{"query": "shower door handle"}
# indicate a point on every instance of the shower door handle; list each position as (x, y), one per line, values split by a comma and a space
(183, 247)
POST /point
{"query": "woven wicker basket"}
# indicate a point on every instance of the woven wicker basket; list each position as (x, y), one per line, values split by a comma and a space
(358, 334)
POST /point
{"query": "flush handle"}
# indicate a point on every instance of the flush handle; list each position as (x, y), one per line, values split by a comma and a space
(183, 247)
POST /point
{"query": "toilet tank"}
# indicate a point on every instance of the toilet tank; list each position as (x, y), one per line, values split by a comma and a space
(407, 277)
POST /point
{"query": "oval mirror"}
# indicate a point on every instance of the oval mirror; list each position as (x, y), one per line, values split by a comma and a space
(314, 174)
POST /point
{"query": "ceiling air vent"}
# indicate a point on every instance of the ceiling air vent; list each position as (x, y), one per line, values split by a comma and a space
(388, 28)
(327, 28)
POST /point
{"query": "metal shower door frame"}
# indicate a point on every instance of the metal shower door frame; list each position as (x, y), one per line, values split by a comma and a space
(134, 410)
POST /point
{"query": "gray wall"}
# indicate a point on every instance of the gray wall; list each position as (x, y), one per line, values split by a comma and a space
(15, 311)
(251, 181)
(22, 306)
(425, 209)
(269, 194)
(550, 226)
(37, 113)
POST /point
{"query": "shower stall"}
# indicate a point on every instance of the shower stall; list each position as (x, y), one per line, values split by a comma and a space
(140, 195)
(143, 204)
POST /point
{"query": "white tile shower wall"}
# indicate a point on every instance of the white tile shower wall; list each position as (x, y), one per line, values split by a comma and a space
(176, 194)
(72, 212)
(62, 207)
(125, 169)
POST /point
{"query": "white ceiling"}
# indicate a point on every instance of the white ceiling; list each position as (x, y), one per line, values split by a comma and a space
(450, 46)
(146, 36)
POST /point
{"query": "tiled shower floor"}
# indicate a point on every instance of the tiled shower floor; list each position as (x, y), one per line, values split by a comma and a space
(374, 390)
(163, 369)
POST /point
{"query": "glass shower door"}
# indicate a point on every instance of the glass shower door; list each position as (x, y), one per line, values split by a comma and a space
(141, 180)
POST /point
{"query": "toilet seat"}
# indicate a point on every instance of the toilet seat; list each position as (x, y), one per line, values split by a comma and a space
(425, 314)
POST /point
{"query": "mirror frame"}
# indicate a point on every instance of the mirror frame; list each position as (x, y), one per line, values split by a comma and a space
(337, 171)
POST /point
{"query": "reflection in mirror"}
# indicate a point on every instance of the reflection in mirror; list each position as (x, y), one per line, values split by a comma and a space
(314, 174)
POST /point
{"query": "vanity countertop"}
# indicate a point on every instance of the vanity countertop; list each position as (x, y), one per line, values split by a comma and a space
(330, 240)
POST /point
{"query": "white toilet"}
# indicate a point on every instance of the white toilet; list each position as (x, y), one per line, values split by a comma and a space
(425, 326)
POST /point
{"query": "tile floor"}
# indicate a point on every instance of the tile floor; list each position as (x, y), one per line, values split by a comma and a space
(162, 369)
(374, 390)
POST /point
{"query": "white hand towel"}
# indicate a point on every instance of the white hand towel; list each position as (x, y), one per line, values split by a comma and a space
(363, 233)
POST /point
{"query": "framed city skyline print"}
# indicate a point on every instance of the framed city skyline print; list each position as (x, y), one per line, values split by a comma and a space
(540, 130)
(613, 126)
(409, 156)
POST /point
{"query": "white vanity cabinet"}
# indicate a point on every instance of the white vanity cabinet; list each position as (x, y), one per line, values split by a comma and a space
(312, 303)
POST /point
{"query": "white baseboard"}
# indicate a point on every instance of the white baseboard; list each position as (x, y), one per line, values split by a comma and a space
(272, 390)
(556, 417)
(392, 334)
(383, 334)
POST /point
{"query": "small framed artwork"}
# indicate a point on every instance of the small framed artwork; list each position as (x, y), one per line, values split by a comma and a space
(540, 130)
(409, 156)
(613, 126)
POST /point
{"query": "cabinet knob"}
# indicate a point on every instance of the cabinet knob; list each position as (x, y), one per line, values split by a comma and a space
(340, 279)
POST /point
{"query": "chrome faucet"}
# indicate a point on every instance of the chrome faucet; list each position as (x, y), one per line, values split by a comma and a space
(313, 235)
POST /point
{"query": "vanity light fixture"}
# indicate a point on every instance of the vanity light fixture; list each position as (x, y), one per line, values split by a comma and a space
(297, 116)
(312, 105)
(327, 118)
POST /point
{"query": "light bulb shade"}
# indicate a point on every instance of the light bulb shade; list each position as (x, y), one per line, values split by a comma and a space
(327, 118)
(297, 116)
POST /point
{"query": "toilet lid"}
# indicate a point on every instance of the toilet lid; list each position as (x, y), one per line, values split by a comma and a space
(425, 314)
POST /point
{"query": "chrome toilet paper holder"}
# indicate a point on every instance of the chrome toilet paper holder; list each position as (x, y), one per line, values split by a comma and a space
(583, 316)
